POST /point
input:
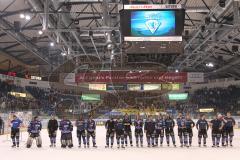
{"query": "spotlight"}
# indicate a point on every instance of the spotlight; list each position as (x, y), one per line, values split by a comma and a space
(22, 15)
(51, 44)
(40, 32)
(63, 53)
(176, 70)
(222, 3)
(113, 32)
(210, 65)
(203, 28)
(27, 17)
(76, 22)
(207, 20)
(90, 33)
(234, 48)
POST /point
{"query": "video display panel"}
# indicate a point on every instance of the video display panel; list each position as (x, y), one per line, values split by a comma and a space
(134, 87)
(177, 96)
(157, 23)
(150, 87)
(98, 87)
(153, 23)
(90, 97)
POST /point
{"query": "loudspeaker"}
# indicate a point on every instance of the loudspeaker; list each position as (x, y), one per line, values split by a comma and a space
(17, 26)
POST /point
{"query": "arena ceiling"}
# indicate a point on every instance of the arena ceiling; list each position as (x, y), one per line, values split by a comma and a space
(89, 30)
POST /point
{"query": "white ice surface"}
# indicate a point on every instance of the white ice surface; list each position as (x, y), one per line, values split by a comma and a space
(130, 153)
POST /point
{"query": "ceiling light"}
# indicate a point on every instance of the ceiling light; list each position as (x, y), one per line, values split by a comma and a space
(51, 44)
(27, 17)
(176, 70)
(210, 65)
(22, 15)
(63, 53)
(40, 32)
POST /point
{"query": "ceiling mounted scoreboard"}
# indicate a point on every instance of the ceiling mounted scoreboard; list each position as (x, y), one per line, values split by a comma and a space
(152, 22)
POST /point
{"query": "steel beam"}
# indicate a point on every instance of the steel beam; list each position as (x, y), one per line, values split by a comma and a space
(20, 38)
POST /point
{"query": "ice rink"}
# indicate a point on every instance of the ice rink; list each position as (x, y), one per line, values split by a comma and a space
(133, 153)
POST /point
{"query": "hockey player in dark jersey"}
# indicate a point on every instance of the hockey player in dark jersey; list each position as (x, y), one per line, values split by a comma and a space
(169, 130)
(34, 129)
(66, 129)
(216, 125)
(159, 129)
(188, 133)
(138, 123)
(110, 127)
(81, 131)
(52, 130)
(127, 130)
(181, 128)
(119, 128)
(15, 130)
(91, 131)
(202, 127)
(149, 129)
(228, 126)
(223, 131)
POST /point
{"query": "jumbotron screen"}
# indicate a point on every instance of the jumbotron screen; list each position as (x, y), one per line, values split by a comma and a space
(152, 22)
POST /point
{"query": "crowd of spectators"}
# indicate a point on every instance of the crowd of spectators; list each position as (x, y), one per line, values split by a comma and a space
(47, 100)
(221, 99)
(38, 99)
(131, 99)
(13, 103)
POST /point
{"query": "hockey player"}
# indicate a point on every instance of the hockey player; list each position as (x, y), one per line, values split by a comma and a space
(127, 130)
(52, 130)
(15, 130)
(229, 124)
(223, 131)
(181, 127)
(110, 127)
(216, 125)
(159, 129)
(169, 130)
(34, 130)
(202, 127)
(138, 123)
(81, 131)
(149, 129)
(91, 131)
(1, 126)
(188, 134)
(119, 128)
(66, 129)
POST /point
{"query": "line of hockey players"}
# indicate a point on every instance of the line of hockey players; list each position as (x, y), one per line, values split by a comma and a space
(85, 129)
(222, 130)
